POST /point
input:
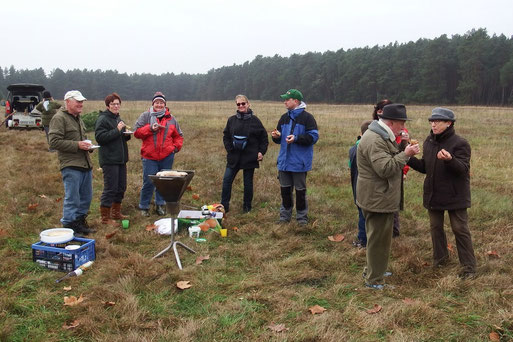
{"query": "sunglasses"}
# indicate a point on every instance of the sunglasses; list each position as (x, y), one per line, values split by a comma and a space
(241, 104)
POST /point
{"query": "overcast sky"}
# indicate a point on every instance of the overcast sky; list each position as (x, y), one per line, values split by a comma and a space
(158, 36)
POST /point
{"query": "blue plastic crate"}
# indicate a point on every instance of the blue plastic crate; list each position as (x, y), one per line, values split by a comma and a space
(56, 257)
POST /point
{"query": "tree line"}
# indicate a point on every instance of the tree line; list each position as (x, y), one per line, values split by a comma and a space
(473, 69)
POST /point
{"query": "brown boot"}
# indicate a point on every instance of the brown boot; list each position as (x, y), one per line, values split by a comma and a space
(105, 212)
(115, 212)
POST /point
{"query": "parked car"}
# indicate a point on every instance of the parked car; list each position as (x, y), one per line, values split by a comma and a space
(22, 99)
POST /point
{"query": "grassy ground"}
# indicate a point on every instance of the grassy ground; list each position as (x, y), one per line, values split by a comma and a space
(263, 273)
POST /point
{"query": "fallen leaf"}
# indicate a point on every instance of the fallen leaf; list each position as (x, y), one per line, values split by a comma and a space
(151, 227)
(235, 229)
(316, 309)
(426, 264)
(377, 308)
(494, 336)
(189, 188)
(42, 196)
(3, 232)
(32, 206)
(200, 259)
(71, 325)
(110, 235)
(195, 197)
(58, 199)
(109, 303)
(493, 254)
(72, 300)
(336, 237)
(450, 248)
(183, 284)
(277, 327)
(67, 288)
(408, 300)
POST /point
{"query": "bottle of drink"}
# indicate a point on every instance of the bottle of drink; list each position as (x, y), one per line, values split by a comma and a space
(76, 272)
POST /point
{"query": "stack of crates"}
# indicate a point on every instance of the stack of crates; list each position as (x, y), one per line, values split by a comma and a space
(57, 257)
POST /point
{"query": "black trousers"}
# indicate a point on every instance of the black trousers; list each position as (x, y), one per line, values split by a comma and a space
(114, 184)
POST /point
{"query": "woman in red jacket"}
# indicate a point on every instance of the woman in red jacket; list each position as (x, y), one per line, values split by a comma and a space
(161, 139)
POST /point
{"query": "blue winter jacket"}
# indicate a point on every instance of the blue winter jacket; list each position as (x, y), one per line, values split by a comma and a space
(296, 157)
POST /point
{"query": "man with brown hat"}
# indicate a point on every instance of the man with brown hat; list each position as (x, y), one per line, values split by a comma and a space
(379, 191)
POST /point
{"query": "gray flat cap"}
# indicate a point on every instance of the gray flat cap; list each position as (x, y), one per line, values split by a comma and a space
(443, 114)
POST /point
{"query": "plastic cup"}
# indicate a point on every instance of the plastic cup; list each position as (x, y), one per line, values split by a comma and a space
(125, 223)
(224, 232)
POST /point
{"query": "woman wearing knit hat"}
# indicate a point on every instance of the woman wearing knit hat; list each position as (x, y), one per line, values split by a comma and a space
(161, 139)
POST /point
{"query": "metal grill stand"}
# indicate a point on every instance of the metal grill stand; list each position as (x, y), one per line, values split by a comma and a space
(172, 189)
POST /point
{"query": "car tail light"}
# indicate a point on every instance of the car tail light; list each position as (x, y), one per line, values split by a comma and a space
(38, 122)
(16, 122)
(7, 107)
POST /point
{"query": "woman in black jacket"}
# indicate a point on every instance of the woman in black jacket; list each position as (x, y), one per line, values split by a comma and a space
(245, 140)
(446, 163)
(111, 135)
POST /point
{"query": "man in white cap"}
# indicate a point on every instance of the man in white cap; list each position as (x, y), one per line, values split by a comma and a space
(67, 136)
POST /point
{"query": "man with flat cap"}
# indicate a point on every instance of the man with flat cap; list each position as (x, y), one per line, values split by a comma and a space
(446, 163)
(379, 190)
(67, 136)
(296, 133)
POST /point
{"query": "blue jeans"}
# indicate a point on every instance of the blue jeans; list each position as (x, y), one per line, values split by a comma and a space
(362, 236)
(78, 193)
(151, 167)
(226, 195)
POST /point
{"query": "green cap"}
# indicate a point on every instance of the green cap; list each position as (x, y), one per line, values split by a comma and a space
(292, 94)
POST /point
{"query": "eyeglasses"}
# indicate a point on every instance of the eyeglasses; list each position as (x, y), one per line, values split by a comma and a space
(114, 104)
(241, 104)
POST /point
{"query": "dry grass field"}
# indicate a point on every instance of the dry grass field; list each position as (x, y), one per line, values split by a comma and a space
(262, 274)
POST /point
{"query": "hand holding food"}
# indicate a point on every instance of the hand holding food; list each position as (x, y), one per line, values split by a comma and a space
(275, 133)
(414, 142)
(444, 155)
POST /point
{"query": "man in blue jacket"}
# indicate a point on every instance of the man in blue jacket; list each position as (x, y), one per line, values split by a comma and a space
(296, 133)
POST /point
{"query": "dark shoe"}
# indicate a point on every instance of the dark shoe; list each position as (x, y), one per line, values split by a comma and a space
(246, 210)
(84, 226)
(144, 212)
(395, 234)
(160, 210)
(467, 275)
(302, 222)
(359, 244)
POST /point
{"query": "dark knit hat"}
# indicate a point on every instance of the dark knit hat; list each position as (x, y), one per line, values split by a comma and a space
(394, 111)
(46, 94)
(158, 96)
(443, 114)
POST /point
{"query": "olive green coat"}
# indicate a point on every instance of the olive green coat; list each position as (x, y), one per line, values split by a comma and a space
(66, 131)
(380, 163)
(47, 115)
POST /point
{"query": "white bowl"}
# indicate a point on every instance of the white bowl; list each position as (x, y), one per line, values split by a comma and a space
(56, 235)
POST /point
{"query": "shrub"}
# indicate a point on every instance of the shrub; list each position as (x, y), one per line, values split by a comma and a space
(90, 120)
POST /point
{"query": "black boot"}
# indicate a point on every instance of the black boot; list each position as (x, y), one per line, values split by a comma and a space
(83, 226)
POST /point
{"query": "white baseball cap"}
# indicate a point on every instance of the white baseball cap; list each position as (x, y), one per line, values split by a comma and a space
(74, 94)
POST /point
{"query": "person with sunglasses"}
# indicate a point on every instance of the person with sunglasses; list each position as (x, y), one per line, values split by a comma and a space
(245, 140)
